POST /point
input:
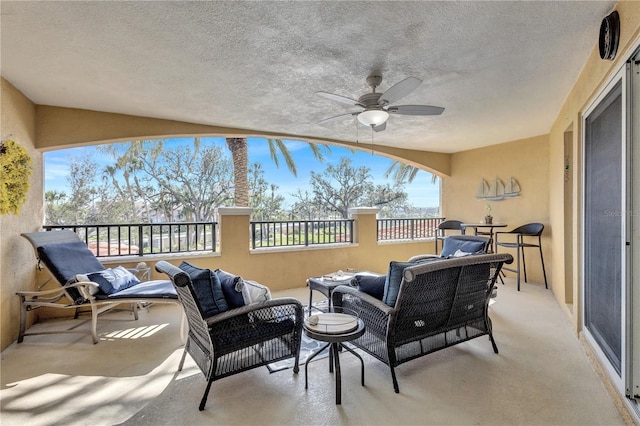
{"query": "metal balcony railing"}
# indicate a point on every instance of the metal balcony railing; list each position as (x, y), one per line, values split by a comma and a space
(184, 237)
(142, 239)
(408, 229)
(300, 232)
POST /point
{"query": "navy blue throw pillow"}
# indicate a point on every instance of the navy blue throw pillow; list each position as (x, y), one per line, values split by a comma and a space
(393, 280)
(111, 281)
(372, 285)
(228, 281)
(207, 288)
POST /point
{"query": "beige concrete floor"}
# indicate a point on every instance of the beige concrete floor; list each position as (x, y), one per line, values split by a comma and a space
(540, 377)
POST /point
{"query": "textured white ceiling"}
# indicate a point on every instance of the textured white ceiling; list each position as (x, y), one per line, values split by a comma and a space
(501, 69)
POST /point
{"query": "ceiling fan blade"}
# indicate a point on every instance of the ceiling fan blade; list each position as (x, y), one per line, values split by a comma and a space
(399, 90)
(380, 127)
(415, 110)
(339, 98)
(338, 117)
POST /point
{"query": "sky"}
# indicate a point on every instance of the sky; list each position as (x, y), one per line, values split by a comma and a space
(422, 192)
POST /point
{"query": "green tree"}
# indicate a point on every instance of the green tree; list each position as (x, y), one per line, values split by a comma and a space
(392, 200)
(305, 208)
(197, 182)
(82, 189)
(54, 204)
(403, 172)
(264, 200)
(341, 187)
(88, 202)
(128, 166)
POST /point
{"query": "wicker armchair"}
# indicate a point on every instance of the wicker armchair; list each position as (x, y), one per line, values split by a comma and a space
(439, 304)
(239, 339)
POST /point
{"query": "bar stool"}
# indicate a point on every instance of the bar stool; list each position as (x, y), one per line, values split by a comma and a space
(529, 230)
(445, 225)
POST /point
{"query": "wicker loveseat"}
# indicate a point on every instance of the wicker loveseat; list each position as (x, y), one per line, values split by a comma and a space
(440, 303)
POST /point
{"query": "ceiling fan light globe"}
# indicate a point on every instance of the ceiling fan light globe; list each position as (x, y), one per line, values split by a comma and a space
(373, 117)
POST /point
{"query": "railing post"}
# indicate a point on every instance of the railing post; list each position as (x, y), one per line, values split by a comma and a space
(252, 228)
(365, 225)
(234, 225)
(140, 241)
(306, 233)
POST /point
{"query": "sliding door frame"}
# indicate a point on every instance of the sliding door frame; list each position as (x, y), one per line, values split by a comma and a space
(617, 378)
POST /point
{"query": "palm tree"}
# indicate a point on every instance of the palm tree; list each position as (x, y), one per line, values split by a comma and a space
(240, 158)
(404, 173)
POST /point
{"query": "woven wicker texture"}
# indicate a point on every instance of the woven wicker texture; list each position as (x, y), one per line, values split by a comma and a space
(239, 339)
(439, 304)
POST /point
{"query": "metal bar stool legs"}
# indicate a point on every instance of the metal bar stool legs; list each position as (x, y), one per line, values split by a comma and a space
(529, 230)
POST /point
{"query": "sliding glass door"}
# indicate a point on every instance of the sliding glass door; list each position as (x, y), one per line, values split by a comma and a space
(603, 224)
(611, 229)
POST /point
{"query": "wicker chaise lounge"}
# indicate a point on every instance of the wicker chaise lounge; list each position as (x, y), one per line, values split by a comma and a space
(237, 339)
(439, 304)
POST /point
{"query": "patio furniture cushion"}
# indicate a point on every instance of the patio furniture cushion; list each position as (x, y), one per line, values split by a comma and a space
(253, 292)
(231, 288)
(113, 280)
(65, 260)
(451, 246)
(154, 289)
(393, 280)
(69, 259)
(259, 332)
(81, 278)
(371, 284)
(208, 289)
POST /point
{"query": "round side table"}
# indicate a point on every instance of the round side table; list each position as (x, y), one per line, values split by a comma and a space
(335, 343)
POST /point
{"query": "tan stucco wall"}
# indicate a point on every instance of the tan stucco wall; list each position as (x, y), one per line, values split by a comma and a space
(17, 270)
(527, 161)
(66, 127)
(595, 74)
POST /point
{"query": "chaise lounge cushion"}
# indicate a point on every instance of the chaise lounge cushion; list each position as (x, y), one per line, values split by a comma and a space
(65, 260)
(69, 259)
(155, 289)
(207, 288)
(393, 280)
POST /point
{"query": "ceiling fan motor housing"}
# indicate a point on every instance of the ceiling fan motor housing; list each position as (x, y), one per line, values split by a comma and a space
(370, 100)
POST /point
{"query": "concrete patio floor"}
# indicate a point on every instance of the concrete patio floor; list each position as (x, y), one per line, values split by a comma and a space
(541, 376)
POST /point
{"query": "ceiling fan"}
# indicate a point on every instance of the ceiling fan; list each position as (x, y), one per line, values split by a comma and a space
(377, 106)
